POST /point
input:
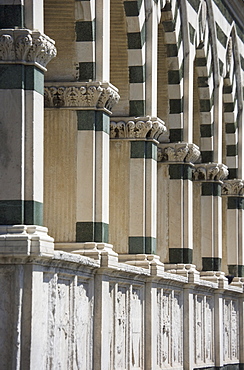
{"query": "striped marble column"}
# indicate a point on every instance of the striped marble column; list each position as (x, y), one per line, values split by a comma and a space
(233, 191)
(93, 102)
(137, 138)
(175, 165)
(24, 54)
(211, 175)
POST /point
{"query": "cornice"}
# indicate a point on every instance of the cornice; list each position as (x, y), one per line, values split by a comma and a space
(136, 128)
(178, 152)
(233, 187)
(80, 95)
(23, 46)
(210, 172)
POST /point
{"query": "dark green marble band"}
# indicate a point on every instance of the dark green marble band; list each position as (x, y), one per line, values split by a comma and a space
(92, 232)
(142, 244)
(25, 212)
(88, 120)
(211, 264)
(180, 255)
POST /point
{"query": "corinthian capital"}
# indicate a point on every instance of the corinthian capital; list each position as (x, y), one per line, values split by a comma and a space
(178, 152)
(138, 127)
(80, 95)
(26, 46)
(210, 172)
(233, 187)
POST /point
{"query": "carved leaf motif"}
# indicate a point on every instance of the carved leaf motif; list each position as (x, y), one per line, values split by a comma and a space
(23, 45)
(6, 47)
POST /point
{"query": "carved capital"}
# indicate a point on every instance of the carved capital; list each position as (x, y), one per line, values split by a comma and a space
(26, 46)
(210, 172)
(80, 95)
(135, 128)
(178, 152)
(233, 187)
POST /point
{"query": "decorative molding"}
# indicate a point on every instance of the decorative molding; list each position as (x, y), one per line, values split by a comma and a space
(178, 152)
(26, 47)
(136, 128)
(93, 94)
(210, 172)
(233, 187)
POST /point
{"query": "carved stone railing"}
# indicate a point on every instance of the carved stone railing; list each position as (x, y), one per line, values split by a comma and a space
(26, 47)
(80, 95)
(178, 152)
(136, 128)
(233, 187)
(210, 172)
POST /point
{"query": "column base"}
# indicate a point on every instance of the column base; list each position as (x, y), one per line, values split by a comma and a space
(217, 277)
(23, 240)
(187, 270)
(101, 252)
(150, 262)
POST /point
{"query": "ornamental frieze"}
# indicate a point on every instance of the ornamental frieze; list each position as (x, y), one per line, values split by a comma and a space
(233, 187)
(137, 128)
(26, 46)
(178, 152)
(80, 95)
(210, 172)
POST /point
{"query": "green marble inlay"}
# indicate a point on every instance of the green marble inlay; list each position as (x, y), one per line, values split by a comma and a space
(207, 156)
(85, 30)
(206, 130)
(172, 50)
(230, 128)
(132, 8)
(180, 255)
(17, 76)
(26, 212)
(211, 188)
(136, 40)
(221, 36)
(92, 232)
(86, 71)
(175, 135)
(143, 149)
(93, 120)
(224, 11)
(236, 270)
(11, 16)
(180, 171)
(176, 106)
(142, 244)
(195, 4)
(169, 26)
(137, 108)
(242, 62)
(233, 173)
(174, 77)
(202, 81)
(235, 203)
(227, 89)
(231, 150)
(201, 62)
(229, 107)
(211, 264)
(137, 74)
(192, 33)
(221, 66)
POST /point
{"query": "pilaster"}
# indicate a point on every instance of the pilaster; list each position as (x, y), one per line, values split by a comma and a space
(92, 102)
(136, 138)
(211, 176)
(233, 191)
(24, 54)
(175, 166)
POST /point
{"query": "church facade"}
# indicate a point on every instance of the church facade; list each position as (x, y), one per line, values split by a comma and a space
(121, 184)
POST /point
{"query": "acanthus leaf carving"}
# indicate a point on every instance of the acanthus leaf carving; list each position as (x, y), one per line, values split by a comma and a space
(178, 152)
(233, 187)
(210, 172)
(138, 127)
(87, 94)
(26, 46)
